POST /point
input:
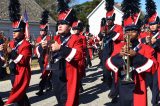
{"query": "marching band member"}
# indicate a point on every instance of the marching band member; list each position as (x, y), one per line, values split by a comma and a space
(89, 51)
(132, 90)
(101, 43)
(20, 53)
(42, 53)
(151, 37)
(77, 28)
(2, 61)
(112, 38)
(67, 52)
(3, 54)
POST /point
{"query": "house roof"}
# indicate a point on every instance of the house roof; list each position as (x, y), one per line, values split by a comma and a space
(33, 9)
(117, 6)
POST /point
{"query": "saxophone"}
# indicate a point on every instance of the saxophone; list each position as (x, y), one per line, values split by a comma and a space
(4, 53)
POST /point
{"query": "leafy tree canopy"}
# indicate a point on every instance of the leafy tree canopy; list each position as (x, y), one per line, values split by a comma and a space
(82, 10)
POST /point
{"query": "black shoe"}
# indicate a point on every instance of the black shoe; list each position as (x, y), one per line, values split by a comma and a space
(1, 103)
(40, 93)
(114, 100)
(111, 95)
(103, 80)
(81, 90)
(158, 104)
(49, 89)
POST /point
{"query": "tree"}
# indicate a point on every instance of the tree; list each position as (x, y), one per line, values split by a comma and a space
(82, 10)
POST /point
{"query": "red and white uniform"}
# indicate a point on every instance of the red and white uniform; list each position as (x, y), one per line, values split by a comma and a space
(143, 62)
(72, 53)
(90, 43)
(82, 63)
(23, 74)
(142, 39)
(42, 53)
(119, 36)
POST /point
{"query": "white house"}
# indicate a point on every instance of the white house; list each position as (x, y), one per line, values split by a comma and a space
(6, 27)
(94, 18)
(34, 13)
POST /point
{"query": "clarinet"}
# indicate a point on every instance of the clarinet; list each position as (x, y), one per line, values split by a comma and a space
(49, 52)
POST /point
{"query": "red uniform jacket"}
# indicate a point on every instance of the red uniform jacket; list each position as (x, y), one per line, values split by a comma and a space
(90, 47)
(118, 29)
(84, 43)
(112, 41)
(82, 63)
(23, 75)
(144, 61)
(42, 53)
(142, 37)
(75, 55)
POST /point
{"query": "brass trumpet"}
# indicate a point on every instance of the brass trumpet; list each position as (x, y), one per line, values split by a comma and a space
(126, 59)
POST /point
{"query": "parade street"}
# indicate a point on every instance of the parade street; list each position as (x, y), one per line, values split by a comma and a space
(95, 92)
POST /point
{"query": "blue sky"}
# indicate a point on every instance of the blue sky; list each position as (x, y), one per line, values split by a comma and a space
(81, 1)
(142, 4)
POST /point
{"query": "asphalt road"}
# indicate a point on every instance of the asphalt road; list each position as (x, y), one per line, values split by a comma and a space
(95, 92)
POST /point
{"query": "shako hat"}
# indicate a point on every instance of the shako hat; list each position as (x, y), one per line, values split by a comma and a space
(18, 24)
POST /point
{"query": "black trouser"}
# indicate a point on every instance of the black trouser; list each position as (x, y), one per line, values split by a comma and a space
(3, 73)
(100, 56)
(106, 53)
(12, 77)
(60, 87)
(13, 72)
(42, 83)
(88, 61)
(107, 78)
(1, 102)
(44, 79)
(41, 64)
(24, 101)
(126, 93)
(80, 85)
(106, 73)
(93, 50)
(152, 82)
(114, 88)
(49, 82)
(45, 82)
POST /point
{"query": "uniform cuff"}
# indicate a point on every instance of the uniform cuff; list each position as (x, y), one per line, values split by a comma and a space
(145, 67)
(115, 63)
(141, 63)
(115, 36)
(18, 59)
